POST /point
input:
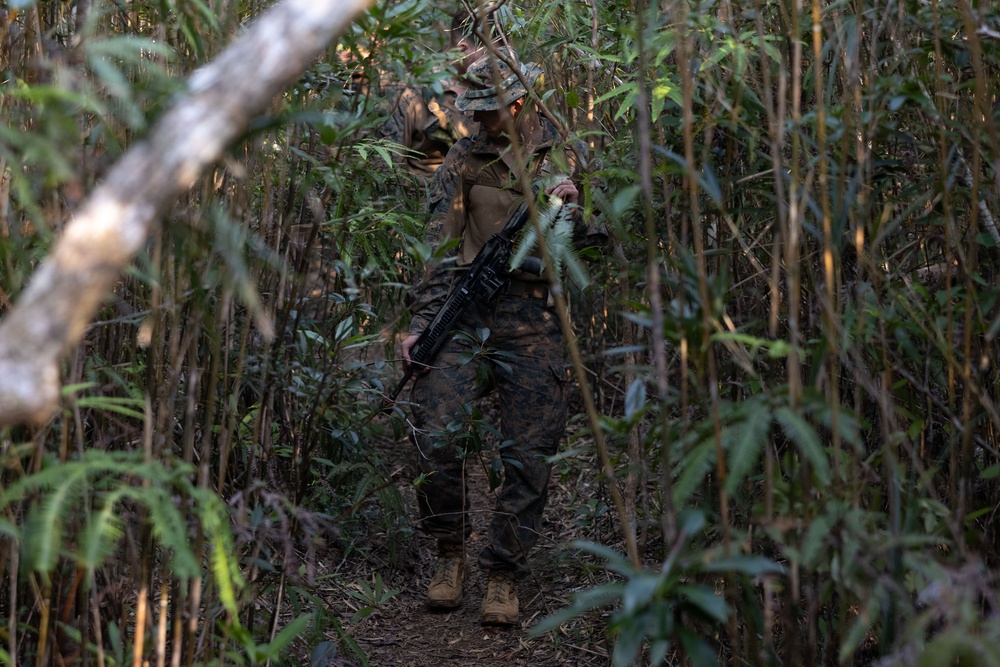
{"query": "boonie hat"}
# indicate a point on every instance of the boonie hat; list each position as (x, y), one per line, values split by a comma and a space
(485, 94)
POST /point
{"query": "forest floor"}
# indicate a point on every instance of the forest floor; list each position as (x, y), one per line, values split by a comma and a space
(402, 631)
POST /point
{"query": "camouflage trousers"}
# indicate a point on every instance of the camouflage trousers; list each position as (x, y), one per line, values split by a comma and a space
(525, 366)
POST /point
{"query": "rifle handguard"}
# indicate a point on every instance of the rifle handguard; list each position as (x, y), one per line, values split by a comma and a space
(488, 275)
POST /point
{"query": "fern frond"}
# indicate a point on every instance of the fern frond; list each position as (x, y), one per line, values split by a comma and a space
(43, 530)
(94, 463)
(556, 223)
(102, 534)
(169, 528)
(226, 569)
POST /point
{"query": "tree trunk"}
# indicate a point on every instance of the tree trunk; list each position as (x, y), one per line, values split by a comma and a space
(114, 223)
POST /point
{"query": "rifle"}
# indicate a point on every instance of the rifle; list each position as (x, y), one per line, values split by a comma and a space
(486, 277)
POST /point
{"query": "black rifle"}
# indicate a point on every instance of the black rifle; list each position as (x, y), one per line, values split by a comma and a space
(487, 276)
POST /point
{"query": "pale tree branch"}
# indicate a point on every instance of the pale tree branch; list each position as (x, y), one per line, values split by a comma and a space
(115, 222)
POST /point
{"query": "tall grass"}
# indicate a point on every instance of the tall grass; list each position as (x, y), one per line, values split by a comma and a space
(213, 439)
(791, 332)
(816, 187)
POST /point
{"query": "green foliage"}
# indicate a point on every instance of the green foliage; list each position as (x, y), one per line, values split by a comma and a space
(556, 227)
(271, 652)
(674, 606)
(59, 523)
(371, 596)
(805, 229)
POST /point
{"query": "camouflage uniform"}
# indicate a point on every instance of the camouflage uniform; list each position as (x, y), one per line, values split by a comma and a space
(532, 404)
(477, 192)
(428, 125)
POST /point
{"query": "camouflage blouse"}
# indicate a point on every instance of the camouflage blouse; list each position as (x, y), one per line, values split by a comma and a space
(473, 195)
(428, 125)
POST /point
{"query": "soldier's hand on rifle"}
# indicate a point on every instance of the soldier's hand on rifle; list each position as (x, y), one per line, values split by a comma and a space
(566, 191)
(407, 345)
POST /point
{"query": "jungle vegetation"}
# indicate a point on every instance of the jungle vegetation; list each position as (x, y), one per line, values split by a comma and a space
(786, 353)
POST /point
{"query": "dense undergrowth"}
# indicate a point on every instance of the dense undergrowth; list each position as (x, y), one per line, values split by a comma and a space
(790, 336)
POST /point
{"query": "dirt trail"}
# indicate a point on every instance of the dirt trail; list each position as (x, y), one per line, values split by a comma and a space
(402, 631)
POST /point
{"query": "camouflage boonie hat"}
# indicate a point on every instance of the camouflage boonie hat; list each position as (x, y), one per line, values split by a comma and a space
(484, 94)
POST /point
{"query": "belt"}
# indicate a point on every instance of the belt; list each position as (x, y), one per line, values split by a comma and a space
(528, 290)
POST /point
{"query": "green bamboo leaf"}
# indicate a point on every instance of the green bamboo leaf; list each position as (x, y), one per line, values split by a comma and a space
(629, 88)
(45, 95)
(275, 648)
(215, 523)
(119, 86)
(623, 200)
(94, 463)
(574, 268)
(658, 651)
(992, 472)
(226, 571)
(130, 407)
(800, 432)
(751, 566)
(750, 438)
(818, 530)
(615, 561)
(635, 398)
(70, 389)
(628, 643)
(691, 520)
(639, 591)
(43, 480)
(698, 650)
(10, 530)
(169, 527)
(130, 48)
(705, 600)
(583, 602)
(694, 467)
(323, 654)
(230, 243)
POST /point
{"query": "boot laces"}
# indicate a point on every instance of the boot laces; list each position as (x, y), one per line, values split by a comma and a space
(447, 569)
(500, 587)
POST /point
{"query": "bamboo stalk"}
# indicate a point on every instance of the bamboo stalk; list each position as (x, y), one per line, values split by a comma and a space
(829, 301)
(161, 623)
(654, 288)
(95, 614)
(12, 587)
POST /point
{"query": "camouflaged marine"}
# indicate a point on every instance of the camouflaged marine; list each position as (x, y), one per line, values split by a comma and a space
(478, 191)
(427, 123)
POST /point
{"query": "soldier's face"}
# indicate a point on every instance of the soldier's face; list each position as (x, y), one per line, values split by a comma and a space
(495, 122)
(491, 122)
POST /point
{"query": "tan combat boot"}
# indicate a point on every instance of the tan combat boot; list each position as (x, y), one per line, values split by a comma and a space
(445, 589)
(500, 605)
